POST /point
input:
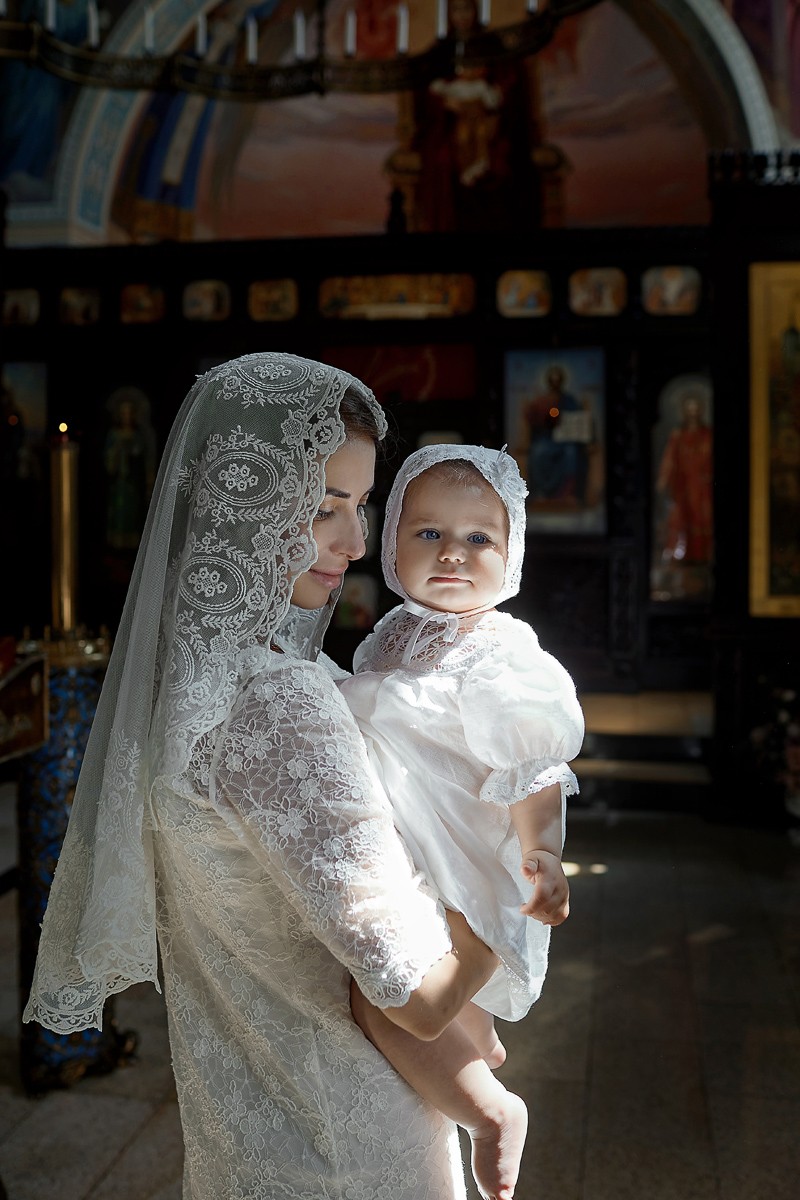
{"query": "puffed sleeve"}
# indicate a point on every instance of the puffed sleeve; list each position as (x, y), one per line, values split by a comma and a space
(522, 719)
(293, 768)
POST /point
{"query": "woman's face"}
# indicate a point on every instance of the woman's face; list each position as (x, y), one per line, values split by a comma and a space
(338, 525)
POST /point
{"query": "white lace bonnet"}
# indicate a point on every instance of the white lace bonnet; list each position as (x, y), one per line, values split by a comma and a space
(498, 469)
(228, 530)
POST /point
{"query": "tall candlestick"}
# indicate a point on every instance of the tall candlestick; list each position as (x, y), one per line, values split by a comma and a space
(486, 11)
(299, 34)
(251, 30)
(201, 35)
(350, 33)
(402, 29)
(149, 37)
(64, 513)
(50, 16)
(92, 24)
(441, 19)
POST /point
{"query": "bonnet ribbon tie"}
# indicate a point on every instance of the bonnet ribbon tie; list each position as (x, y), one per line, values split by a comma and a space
(450, 621)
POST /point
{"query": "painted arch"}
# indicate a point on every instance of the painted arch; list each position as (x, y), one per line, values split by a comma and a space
(701, 45)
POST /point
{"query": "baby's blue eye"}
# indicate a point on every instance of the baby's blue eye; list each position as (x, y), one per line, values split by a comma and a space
(478, 539)
(428, 535)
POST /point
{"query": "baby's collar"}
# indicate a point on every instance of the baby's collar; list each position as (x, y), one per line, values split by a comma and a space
(451, 621)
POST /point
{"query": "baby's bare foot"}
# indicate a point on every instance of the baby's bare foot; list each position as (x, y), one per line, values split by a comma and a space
(497, 1149)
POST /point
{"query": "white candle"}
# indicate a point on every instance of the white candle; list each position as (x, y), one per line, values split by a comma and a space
(402, 29)
(441, 19)
(50, 16)
(533, 6)
(486, 11)
(92, 24)
(201, 36)
(3, 8)
(350, 33)
(149, 31)
(252, 40)
(299, 34)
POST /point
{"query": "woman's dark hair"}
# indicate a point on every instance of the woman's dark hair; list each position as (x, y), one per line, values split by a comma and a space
(357, 416)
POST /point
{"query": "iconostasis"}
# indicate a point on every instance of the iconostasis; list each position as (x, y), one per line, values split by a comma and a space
(585, 352)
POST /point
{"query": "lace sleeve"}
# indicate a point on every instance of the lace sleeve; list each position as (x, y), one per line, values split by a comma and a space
(292, 768)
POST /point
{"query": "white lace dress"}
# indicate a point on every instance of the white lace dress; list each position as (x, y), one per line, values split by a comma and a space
(460, 732)
(279, 874)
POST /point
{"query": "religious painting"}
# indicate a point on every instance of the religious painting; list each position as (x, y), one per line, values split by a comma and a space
(25, 493)
(130, 461)
(671, 291)
(413, 375)
(206, 300)
(397, 297)
(357, 607)
(141, 304)
(682, 531)
(467, 158)
(21, 306)
(598, 292)
(555, 428)
(775, 439)
(79, 306)
(272, 300)
(524, 294)
(23, 422)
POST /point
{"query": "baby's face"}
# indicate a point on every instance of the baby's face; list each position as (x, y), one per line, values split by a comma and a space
(452, 543)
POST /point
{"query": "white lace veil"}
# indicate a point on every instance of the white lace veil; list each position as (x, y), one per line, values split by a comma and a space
(499, 470)
(228, 531)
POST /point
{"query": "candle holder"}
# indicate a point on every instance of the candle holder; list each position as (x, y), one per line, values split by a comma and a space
(74, 666)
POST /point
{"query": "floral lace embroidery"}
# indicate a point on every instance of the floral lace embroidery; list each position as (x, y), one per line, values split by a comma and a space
(270, 893)
(383, 649)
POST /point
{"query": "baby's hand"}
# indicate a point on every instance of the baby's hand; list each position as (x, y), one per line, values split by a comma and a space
(549, 902)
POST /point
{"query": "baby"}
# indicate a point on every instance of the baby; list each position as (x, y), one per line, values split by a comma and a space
(470, 726)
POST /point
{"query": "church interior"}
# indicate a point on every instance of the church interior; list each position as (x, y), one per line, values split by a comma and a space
(570, 228)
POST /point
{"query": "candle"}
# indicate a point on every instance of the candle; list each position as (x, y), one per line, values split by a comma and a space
(533, 6)
(350, 33)
(64, 512)
(402, 29)
(149, 31)
(93, 24)
(3, 8)
(201, 36)
(50, 16)
(441, 19)
(251, 29)
(486, 11)
(299, 34)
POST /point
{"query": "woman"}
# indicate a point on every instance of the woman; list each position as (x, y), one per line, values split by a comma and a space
(226, 798)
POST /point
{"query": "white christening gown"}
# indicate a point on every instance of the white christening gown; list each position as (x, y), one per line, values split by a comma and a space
(459, 726)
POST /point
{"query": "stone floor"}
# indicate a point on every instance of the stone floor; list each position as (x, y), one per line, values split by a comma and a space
(662, 1062)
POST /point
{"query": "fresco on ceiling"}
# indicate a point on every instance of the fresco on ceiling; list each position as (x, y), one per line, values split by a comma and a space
(612, 137)
(317, 165)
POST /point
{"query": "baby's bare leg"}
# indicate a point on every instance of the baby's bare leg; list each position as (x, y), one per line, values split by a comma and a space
(450, 1074)
(478, 1024)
